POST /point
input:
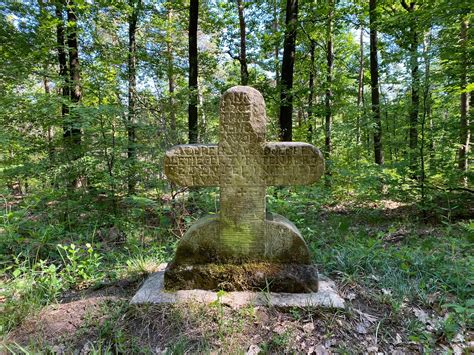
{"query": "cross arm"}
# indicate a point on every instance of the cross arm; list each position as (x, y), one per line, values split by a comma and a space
(289, 163)
(192, 165)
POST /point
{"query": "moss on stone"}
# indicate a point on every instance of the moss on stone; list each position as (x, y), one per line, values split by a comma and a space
(263, 276)
(280, 242)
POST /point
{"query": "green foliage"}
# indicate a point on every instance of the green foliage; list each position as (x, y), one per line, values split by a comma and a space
(414, 270)
(34, 284)
(33, 155)
(80, 264)
(30, 287)
(278, 342)
(68, 221)
(462, 315)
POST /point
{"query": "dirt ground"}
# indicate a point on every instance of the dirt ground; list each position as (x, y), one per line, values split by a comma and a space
(103, 321)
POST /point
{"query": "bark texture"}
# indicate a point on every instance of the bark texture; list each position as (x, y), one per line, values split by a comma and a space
(276, 48)
(72, 133)
(132, 92)
(244, 74)
(374, 80)
(62, 61)
(360, 90)
(464, 132)
(311, 89)
(171, 76)
(193, 72)
(415, 84)
(329, 79)
(286, 95)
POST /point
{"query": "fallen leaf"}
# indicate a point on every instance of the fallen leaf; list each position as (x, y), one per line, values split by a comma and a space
(320, 350)
(372, 349)
(351, 296)
(432, 298)
(328, 343)
(366, 316)
(457, 350)
(361, 328)
(458, 338)
(421, 315)
(308, 327)
(279, 329)
(253, 350)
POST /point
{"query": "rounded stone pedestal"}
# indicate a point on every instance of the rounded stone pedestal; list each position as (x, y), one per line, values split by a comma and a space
(277, 261)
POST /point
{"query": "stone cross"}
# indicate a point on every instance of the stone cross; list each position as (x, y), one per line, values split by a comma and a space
(243, 164)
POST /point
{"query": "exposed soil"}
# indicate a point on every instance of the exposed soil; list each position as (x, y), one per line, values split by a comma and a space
(100, 319)
(55, 323)
(365, 327)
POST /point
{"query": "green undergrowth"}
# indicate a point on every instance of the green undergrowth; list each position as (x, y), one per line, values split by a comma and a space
(398, 256)
(60, 243)
(417, 254)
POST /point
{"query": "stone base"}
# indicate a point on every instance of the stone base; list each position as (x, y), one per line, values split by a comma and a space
(263, 276)
(152, 291)
(206, 242)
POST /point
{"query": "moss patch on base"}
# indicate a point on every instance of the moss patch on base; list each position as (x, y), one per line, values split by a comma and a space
(271, 277)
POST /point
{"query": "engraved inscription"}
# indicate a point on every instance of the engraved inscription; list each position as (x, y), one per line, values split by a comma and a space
(242, 165)
(292, 164)
(193, 165)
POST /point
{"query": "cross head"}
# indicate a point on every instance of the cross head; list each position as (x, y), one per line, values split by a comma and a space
(242, 165)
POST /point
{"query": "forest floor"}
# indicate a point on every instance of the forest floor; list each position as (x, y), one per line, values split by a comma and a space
(405, 274)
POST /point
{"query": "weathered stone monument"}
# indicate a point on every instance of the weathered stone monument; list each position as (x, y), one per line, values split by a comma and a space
(244, 247)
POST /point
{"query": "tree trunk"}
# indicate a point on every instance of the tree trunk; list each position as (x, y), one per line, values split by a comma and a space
(415, 103)
(49, 132)
(415, 97)
(193, 72)
(426, 113)
(63, 89)
(286, 95)
(203, 119)
(311, 90)
(360, 91)
(109, 158)
(427, 103)
(244, 74)
(276, 50)
(171, 79)
(62, 61)
(132, 92)
(464, 132)
(329, 78)
(73, 130)
(374, 81)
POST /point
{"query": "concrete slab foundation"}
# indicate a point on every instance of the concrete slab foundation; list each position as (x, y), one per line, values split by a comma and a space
(152, 291)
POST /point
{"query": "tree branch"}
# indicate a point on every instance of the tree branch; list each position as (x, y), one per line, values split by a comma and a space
(233, 56)
(448, 189)
(405, 5)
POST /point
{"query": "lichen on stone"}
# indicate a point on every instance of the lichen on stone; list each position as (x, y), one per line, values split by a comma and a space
(243, 234)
